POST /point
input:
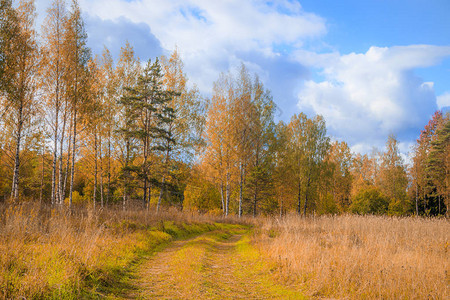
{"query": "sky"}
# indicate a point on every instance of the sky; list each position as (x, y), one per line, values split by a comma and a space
(372, 68)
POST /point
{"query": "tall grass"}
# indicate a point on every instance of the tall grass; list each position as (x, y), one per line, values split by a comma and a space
(362, 256)
(61, 254)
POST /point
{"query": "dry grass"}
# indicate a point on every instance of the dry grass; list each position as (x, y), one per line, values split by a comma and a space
(362, 257)
(51, 253)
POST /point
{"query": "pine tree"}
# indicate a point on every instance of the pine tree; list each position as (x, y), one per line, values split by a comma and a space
(127, 72)
(438, 163)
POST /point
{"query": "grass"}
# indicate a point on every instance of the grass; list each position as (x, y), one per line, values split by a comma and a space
(220, 264)
(265, 270)
(361, 257)
(54, 253)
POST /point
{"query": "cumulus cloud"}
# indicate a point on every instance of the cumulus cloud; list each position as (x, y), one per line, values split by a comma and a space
(363, 96)
(443, 100)
(214, 36)
(113, 35)
(367, 96)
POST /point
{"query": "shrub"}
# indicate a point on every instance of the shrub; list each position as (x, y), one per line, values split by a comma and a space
(369, 201)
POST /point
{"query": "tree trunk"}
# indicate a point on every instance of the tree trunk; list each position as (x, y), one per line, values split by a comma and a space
(222, 196)
(55, 150)
(299, 198)
(306, 196)
(101, 172)
(55, 156)
(228, 194)
(66, 173)
(60, 191)
(42, 174)
(108, 194)
(241, 184)
(306, 201)
(125, 180)
(161, 192)
(72, 172)
(417, 200)
(439, 205)
(144, 197)
(94, 196)
(15, 182)
(166, 162)
(149, 196)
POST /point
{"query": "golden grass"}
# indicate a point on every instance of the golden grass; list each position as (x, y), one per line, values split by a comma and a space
(54, 253)
(51, 253)
(364, 257)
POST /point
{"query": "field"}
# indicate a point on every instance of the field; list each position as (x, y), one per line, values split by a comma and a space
(364, 257)
(53, 253)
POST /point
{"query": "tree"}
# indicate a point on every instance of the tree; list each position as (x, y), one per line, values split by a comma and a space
(438, 162)
(340, 159)
(9, 29)
(308, 145)
(425, 167)
(53, 69)
(20, 70)
(369, 200)
(93, 111)
(110, 93)
(127, 72)
(262, 139)
(201, 194)
(149, 121)
(218, 156)
(78, 57)
(165, 119)
(284, 175)
(393, 180)
(189, 108)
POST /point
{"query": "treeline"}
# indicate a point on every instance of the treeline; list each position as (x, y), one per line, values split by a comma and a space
(82, 129)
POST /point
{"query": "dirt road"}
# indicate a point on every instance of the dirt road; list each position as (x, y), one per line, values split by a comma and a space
(214, 265)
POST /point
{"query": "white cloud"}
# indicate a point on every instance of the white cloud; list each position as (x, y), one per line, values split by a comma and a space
(367, 96)
(363, 96)
(443, 100)
(213, 35)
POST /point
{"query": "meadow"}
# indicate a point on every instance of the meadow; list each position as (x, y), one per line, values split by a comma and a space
(361, 257)
(60, 254)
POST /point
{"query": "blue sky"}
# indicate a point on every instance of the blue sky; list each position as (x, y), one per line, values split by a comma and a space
(371, 67)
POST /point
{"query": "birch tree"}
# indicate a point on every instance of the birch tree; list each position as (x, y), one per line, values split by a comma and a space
(52, 73)
(78, 57)
(218, 154)
(21, 58)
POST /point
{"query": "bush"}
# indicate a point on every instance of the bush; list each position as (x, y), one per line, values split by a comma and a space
(201, 195)
(369, 201)
(396, 208)
(76, 199)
